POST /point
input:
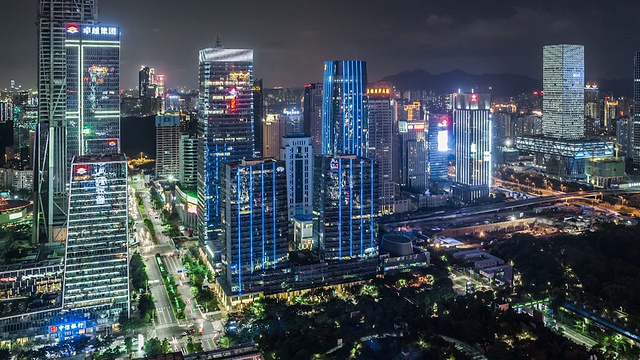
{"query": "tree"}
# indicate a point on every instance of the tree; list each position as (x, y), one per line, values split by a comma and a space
(153, 347)
(147, 307)
(128, 344)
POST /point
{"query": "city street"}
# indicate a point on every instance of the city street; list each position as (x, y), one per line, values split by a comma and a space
(166, 325)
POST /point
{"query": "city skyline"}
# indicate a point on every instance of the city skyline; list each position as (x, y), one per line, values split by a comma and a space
(500, 38)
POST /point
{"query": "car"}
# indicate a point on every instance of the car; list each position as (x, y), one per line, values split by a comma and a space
(192, 331)
(184, 333)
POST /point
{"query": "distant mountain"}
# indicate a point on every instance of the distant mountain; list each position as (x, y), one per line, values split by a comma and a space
(499, 85)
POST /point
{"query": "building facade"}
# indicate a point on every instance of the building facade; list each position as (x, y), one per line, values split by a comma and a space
(96, 278)
(563, 83)
(636, 115)
(225, 127)
(414, 155)
(472, 129)
(51, 138)
(312, 114)
(168, 160)
(254, 223)
(188, 160)
(344, 115)
(344, 208)
(438, 147)
(93, 90)
(273, 130)
(258, 115)
(381, 135)
(297, 154)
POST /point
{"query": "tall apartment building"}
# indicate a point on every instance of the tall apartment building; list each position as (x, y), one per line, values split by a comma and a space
(472, 128)
(168, 158)
(254, 223)
(563, 83)
(96, 277)
(636, 114)
(225, 125)
(297, 154)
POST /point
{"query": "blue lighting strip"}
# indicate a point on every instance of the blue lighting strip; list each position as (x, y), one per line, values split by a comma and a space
(273, 209)
(327, 109)
(239, 234)
(371, 207)
(361, 206)
(251, 215)
(262, 234)
(345, 109)
(350, 207)
(340, 209)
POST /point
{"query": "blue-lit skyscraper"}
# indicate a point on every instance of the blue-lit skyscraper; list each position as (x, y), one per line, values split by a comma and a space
(344, 115)
(225, 125)
(344, 210)
(254, 223)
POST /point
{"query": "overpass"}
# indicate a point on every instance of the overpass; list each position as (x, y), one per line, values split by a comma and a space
(510, 205)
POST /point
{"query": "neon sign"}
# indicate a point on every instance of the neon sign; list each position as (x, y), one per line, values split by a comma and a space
(81, 170)
(67, 327)
(100, 30)
(474, 98)
(112, 143)
(192, 208)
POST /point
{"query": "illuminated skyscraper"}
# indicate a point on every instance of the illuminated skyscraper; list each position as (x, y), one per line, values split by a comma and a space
(272, 130)
(563, 83)
(344, 208)
(93, 90)
(297, 153)
(96, 278)
(381, 109)
(168, 146)
(144, 80)
(472, 129)
(438, 143)
(312, 114)
(258, 115)
(254, 223)
(52, 162)
(225, 126)
(344, 115)
(414, 164)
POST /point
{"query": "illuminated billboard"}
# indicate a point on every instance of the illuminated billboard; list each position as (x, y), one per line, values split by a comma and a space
(443, 135)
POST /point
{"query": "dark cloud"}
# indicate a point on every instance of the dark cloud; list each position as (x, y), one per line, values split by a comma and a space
(291, 38)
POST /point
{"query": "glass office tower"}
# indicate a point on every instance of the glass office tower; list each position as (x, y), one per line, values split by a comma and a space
(563, 84)
(52, 162)
(93, 89)
(343, 208)
(344, 115)
(96, 279)
(254, 222)
(472, 129)
(225, 125)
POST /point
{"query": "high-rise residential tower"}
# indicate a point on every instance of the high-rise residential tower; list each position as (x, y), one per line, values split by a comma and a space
(168, 146)
(272, 130)
(225, 125)
(563, 84)
(414, 155)
(254, 223)
(381, 135)
(96, 277)
(344, 115)
(312, 114)
(472, 129)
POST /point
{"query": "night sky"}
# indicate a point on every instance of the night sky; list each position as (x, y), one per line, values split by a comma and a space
(291, 38)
